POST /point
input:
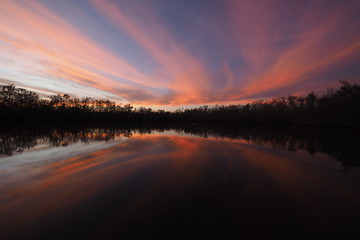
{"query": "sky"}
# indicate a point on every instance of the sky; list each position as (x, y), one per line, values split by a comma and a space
(179, 53)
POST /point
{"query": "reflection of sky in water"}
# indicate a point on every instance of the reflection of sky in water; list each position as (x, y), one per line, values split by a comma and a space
(42, 152)
(157, 174)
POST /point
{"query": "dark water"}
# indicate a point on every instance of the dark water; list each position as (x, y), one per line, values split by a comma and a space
(254, 182)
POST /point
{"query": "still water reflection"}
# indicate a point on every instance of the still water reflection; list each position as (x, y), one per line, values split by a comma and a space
(178, 182)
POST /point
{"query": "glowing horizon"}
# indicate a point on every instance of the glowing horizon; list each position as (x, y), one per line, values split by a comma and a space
(179, 53)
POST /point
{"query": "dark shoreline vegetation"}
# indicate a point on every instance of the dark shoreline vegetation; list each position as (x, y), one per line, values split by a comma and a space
(338, 144)
(337, 108)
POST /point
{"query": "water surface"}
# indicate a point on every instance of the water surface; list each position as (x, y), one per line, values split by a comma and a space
(178, 182)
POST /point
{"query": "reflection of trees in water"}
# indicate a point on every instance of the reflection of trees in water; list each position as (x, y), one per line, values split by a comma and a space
(20, 140)
(338, 144)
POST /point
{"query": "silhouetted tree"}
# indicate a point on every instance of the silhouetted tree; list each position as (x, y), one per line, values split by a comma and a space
(339, 107)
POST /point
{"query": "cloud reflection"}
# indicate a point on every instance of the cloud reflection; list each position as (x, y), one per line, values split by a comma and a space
(174, 168)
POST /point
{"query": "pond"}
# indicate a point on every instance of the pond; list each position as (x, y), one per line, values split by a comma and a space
(178, 182)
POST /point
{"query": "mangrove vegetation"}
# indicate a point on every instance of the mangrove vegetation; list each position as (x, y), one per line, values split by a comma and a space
(340, 107)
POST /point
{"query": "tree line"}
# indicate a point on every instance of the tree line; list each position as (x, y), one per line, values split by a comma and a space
(340, 107)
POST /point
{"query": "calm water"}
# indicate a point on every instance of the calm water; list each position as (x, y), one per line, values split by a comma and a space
(178, 182)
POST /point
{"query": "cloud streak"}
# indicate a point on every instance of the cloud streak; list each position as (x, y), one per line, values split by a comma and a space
(314, 45)
(58, 50)
(244, 51)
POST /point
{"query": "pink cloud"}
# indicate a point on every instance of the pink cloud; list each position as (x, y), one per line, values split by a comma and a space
(315, 48)
(280, 46)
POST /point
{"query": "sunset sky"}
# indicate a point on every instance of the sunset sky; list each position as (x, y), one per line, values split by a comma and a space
(174, 53)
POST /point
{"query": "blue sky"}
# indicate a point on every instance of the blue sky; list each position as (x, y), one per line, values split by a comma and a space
(172, 53)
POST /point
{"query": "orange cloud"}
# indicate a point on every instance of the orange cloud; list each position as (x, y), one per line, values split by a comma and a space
(183, 73)
(315, 47)
(264, 47)
(35, 33)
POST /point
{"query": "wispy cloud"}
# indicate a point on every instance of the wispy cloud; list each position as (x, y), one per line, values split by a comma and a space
(41, 39)
(181, 72)
(319, 40)
(267, 48)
